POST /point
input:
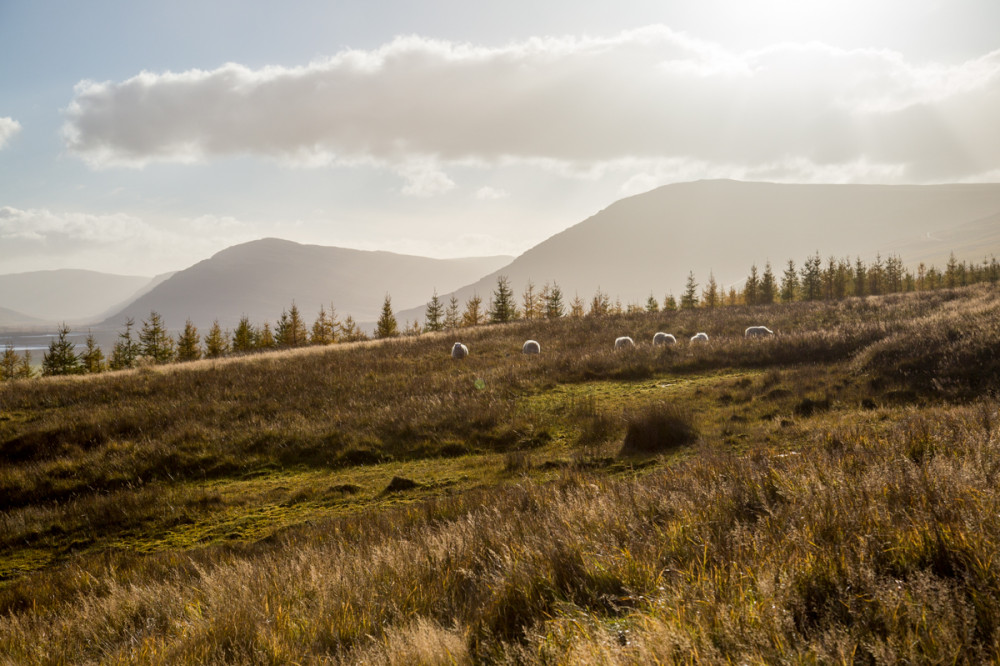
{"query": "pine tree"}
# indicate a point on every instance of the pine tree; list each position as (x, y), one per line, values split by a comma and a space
(876, 277)
(92, 358)
(386, 327)
(434, 314)
(503, 309)
(265, 339)
(322, 330)
(768, 286)
(652, 305)
(126, 349)
(812, 278)
(600, 304)
(61, 359)
(244, 337)
(751, 287)
(24, 370)
(554, 308)
(473, 315)
(216, 342)
(689, 299)
(9, 362)
(669, 303)
(154, 341)
(350, 331)
(576, 307)
(789, 283)
(452, 319)
(860, 278)
(187, 343)
(710, 296)
(531, 305)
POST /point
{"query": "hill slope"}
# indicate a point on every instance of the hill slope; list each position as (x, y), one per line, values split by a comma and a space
(261, 278)
(66, 295)
(650, 241)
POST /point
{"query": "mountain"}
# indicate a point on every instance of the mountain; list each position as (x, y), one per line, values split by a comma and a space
(261, 278)
(12, 319)
(649, 242)
(66, 295)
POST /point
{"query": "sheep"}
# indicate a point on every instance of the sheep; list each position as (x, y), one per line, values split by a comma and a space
(664, 339)
(699, 337)
(459, 350)
(531, 347)
(624, 342)
(758, 332)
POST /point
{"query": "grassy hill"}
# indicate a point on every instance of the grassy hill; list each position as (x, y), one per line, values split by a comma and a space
(828, 494)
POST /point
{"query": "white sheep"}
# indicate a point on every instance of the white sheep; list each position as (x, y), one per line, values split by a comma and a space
(662, 338)
(699, 337)
(758, 332)
(624, 342)
(459, 350)
(531, 347)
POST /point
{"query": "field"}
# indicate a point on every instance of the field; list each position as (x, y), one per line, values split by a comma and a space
(826, 495)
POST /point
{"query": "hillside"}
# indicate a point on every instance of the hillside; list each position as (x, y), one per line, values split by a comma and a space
(652, 240)
(830, 491)
(261, 278)
(75, 296)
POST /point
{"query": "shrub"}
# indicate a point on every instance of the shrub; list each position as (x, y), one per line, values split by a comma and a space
(658, 428)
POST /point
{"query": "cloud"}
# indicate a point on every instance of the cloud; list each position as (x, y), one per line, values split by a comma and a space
(487, 193)
(575, 105)
(8, 128)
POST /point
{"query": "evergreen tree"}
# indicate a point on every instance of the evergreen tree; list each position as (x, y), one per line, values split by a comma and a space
(216, 342)
(473, 315)
(951, 279)
(92, 358)
(750, 289)
(710, 296)
(876, 277)
(126, 349)
(768, 286)
(187, 343)
(25, 371)
(689, 299)
(244, 337)
(61, 359)
(386, 327)
(452, 319)
(600, 304)
(323, 332)
(789, 283)
(154, 341)
(554, 308)
(669, 303)
(860, 278)
(265, 339)
(503, 309)
(434, 314)
(812, 278)
(9, 362)
(576, 307)
(350, 331)
(651, 304)
(411, 330)
(531, 304)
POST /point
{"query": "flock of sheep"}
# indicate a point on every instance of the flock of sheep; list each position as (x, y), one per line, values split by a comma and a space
(460, 351)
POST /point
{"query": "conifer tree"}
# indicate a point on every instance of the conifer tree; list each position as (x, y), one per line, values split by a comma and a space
(61, 359)
(600, 304)
(244, 337)
(689, 299)
(411, 329)
(452, 318)
(434, 314)
(126, 349)
(554, 308)
(24, 370)
(789, 283)
(876, 277)
(92, 358)
(710, 296)
(322, 331)
(503, 309)
(751, 287)
(154, 341)
(576, 307)
(386, 327)
(9, 362)
(768, 288)
(651, 304)
(812, 278)
(473, 315)
(216, 342)
(188, 343)
(669, 303)
(265, 339)
(531, 306)
(350, 331)
(860, 278)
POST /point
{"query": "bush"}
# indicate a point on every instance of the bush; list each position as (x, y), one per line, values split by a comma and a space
(658, 428)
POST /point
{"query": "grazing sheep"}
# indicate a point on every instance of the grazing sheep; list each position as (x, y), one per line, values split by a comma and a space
(699, 337)
(664, 339)
(624, 342)
(459, 350)
(531, 347)
(758, 332)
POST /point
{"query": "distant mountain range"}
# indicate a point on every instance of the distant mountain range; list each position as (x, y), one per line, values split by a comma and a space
(649, 242)
(68, 295)
(261, 278)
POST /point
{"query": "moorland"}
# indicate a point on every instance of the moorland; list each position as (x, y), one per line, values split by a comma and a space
(826, 495)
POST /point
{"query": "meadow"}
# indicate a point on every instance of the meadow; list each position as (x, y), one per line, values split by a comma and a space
(826, 495)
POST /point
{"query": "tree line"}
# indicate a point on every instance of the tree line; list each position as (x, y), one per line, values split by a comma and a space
(816, 280)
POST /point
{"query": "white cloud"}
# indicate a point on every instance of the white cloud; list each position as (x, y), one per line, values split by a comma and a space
(8, 128)
(487, 193)
(582, 105)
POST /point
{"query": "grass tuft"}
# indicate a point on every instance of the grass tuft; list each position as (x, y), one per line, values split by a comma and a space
(658, 428)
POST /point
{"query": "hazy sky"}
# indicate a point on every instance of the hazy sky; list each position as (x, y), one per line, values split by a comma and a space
(141, 137)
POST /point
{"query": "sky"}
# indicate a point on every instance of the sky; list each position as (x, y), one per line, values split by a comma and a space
(141, 137)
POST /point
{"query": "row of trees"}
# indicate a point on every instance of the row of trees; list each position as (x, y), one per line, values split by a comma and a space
(832, 279)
